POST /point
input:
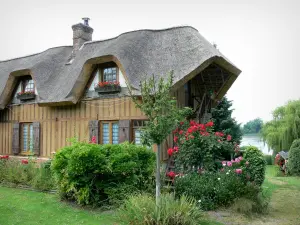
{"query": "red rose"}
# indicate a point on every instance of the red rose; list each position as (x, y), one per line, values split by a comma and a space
(176, 148)
(209, 124)
(181, 132)
(228, 137)
(171, 174)
(170, 151)
(175, 139)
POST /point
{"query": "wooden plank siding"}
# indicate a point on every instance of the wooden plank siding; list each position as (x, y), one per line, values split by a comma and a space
(62, 122)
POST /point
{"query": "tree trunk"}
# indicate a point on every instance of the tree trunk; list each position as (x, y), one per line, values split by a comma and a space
(157, 174)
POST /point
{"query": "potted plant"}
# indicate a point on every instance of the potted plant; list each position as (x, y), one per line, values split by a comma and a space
(26, 95)
(108, 87)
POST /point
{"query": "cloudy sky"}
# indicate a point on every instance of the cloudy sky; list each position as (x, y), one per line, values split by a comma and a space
(261, 37)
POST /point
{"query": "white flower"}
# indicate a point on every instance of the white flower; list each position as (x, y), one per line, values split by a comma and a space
(228, 170)
(227, 173)
(219, 178)
(199, 201)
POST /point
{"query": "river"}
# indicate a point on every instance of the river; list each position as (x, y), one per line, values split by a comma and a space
(255, 140)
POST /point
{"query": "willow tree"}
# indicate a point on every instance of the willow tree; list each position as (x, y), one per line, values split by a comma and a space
(284, 128)
(163, 115)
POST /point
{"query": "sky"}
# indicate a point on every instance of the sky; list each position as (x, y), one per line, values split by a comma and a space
(261, 37)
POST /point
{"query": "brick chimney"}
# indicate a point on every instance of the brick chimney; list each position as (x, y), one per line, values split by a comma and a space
(82, 32)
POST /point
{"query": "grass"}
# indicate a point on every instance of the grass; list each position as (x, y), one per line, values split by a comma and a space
(34, 208)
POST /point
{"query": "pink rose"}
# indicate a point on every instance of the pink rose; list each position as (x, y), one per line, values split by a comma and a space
(229, 163)
(238, 171)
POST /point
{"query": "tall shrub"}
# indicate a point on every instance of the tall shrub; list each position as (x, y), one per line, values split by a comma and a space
(102, 174)
(294, 158)
(256, 164)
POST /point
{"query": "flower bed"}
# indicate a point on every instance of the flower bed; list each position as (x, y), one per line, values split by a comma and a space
(26, 95)
(108, 87)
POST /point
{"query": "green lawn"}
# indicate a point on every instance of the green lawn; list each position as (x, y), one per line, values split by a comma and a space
(30, 208)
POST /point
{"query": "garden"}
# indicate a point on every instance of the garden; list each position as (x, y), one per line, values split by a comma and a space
(212, 181)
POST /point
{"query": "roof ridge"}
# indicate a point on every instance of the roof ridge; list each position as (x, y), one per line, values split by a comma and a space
(151, 30)
(33, 54)
(90, 42)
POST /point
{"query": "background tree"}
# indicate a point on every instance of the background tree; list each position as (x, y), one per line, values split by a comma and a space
(162, 113)
(284, 128)
(223, 120)
(253, 126)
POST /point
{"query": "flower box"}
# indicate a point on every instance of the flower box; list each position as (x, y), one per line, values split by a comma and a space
(23, 96)
(108, 87)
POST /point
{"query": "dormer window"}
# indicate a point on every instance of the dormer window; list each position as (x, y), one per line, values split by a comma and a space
(106, 79)
(26, 89)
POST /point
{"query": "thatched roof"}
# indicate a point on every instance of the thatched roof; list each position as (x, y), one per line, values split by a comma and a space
(138, 54)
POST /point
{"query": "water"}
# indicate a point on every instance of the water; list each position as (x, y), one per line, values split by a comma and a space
(255, 140)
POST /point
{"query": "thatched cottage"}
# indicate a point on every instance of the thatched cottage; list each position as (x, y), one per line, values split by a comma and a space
(82, 90)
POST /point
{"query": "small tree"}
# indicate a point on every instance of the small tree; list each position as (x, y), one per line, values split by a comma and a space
(163, 115)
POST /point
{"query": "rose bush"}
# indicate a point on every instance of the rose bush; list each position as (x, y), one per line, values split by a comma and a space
(197, 146)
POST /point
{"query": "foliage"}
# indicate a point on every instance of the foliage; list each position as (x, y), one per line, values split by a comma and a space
(284, 128)
(223, 120)
(160, 108)
(294, 158)
(211, 190)
(198, 147)
(102, 174)
(142, 209)
(253, 126)
(26, 172)
(257, 165)
(269, 159)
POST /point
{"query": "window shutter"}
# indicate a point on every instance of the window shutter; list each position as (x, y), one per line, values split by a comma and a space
(94, 130)
(16, 139)
(124, 131)
(36, 138)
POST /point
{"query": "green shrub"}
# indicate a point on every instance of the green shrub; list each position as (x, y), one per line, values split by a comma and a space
(257, 164)
(102, 174)
(294, 158)
(269, 159)
(211, 190)
(141, 209)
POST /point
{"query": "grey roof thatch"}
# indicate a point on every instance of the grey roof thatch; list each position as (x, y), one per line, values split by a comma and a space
(138, 54)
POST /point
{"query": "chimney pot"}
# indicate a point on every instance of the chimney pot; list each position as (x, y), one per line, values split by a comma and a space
(86, 21)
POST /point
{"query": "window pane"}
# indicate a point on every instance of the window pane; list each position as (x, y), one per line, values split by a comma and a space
(29, 86)
(31, 138)
(110, 74)
(105, 133)
(137, 137)
(115, 133)
(25, 138)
